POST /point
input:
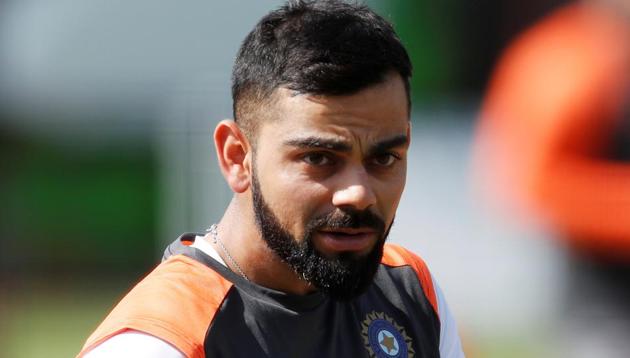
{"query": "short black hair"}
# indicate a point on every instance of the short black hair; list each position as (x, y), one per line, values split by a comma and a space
(325, 47)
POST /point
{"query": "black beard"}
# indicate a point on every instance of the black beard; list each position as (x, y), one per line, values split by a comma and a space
(342, 277)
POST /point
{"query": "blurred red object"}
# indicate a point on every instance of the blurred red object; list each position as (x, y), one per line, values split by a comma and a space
(555, 107)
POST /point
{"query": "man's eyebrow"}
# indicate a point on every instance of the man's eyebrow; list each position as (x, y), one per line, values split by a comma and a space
(321, 143)
(343, 146)
(389, 143)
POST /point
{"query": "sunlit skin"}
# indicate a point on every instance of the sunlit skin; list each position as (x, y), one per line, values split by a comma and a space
(317, 154)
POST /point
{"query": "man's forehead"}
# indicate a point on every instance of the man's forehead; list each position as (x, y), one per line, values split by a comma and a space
(339, 109)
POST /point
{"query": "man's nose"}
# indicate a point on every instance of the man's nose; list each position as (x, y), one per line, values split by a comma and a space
(354, 190)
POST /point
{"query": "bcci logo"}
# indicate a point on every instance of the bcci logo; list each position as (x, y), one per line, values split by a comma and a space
(384, 338)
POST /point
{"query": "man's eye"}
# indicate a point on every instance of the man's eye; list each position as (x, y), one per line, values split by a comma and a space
(384, 160)
(317, 159)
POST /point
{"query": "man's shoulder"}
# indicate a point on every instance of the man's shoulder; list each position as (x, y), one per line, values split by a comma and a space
(397, 256)
(175, 302)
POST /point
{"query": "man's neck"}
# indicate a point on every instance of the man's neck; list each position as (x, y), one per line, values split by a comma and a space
(238, 233)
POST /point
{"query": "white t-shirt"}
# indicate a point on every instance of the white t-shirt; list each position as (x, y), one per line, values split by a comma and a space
(137, 344)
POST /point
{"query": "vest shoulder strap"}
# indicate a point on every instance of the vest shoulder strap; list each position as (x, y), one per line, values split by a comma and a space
(176, 303)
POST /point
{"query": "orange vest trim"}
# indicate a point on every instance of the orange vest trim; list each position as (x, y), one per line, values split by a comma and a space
(176, 303)
(395, 256)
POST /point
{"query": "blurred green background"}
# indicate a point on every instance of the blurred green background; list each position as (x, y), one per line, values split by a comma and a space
(106, 110)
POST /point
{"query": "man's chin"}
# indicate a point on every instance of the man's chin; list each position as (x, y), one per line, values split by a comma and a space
(347, 292)
(348, 274)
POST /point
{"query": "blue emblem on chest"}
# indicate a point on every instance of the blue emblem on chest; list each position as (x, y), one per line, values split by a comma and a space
(384, 338)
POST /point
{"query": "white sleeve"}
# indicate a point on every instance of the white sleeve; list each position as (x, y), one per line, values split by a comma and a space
(134, 344)
(450, 344)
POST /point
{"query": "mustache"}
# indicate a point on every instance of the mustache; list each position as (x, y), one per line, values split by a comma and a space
(347, 218)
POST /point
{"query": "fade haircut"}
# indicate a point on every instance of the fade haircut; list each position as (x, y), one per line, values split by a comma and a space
(326, 47)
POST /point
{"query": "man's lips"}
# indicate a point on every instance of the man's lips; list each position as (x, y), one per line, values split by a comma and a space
(346, 239)
(348, 231)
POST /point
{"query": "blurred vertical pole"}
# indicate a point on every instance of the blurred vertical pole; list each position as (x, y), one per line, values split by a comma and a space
(193, 193)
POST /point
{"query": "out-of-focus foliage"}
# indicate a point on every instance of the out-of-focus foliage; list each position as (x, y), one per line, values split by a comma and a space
(70, 208)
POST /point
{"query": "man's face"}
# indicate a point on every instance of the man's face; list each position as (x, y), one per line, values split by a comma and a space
(328, 174)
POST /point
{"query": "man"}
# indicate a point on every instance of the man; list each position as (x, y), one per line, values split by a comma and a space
(298, 265)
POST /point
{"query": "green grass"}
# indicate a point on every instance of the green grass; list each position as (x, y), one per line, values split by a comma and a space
(42, 322)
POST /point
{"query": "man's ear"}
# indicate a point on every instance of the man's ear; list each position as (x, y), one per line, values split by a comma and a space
(234, 155)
